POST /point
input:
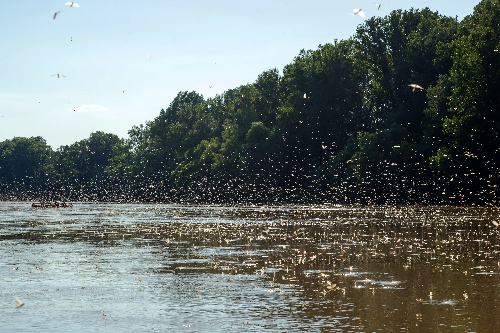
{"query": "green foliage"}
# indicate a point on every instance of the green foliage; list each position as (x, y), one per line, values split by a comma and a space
(24, 164)
(472, 117)
(84, 169)
(340, 124)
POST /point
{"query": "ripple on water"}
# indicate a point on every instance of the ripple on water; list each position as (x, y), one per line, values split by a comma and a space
(246, 269)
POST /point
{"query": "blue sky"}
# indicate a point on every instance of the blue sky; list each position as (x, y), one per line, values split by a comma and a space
(124, 61)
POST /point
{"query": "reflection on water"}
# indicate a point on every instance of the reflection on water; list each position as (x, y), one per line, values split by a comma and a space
(172, 268)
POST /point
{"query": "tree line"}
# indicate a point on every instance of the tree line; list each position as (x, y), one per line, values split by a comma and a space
(339, 124)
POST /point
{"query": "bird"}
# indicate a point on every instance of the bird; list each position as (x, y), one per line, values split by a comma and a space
(415, 86)
(19, 303)
(378, 6)
(359, 11)
(55, 15)
(72, 4)
(58, 75)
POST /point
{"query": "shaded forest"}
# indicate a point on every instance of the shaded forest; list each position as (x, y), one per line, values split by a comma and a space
(339, 124)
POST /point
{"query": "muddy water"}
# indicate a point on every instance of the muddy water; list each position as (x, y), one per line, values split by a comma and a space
(172, 268)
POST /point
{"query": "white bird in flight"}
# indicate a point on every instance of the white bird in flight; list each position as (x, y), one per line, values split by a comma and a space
(19, 303)
(415, 86)
(55, 14)
(72, 4)
(359, 11)
(378, 6)
(58, 75)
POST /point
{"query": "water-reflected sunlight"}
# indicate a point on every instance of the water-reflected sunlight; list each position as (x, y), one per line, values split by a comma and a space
(137, 267)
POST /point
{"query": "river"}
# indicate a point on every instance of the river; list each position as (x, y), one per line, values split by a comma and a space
(181, 268)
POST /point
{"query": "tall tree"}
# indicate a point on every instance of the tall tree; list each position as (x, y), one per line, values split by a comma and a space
(471, 157)
(24, 164)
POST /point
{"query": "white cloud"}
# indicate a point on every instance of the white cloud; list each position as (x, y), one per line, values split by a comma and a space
(90, 108)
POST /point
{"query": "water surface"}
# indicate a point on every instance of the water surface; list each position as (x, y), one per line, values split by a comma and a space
(174, 268)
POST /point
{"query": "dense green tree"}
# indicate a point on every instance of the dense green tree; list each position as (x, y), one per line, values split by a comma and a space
(82, 169)
(340, 124)
(406, 47)
(468, 162)
(24, 163)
